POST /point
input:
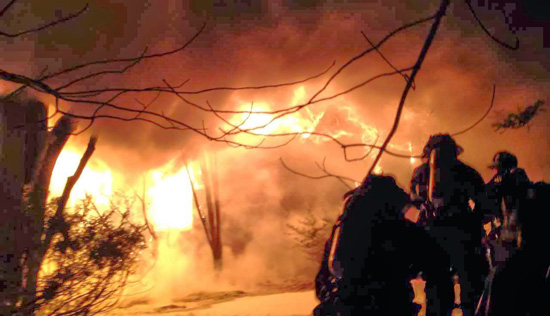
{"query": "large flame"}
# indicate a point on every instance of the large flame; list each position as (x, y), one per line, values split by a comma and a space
(171, 199)
(169, 193)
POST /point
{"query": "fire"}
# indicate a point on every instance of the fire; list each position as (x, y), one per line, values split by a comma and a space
(369, 134)
(171, 199)
(261, 122)
(169, 194)
(302, 122)
(96, 178)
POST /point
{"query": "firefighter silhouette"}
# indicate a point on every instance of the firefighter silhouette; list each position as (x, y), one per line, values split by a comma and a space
(365, 267)
(508, 191)
(454, 203)
(519, 282)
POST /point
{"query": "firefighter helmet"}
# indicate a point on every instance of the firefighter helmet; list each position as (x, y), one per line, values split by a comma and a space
(504, 161)
(440, 141)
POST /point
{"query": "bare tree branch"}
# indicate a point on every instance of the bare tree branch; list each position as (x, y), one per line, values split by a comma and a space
(386, 60)
(516, 45)
(433, 30)
(37, 85)
(6, 7)
(201, 91)
(128, 60)
(352, 60)
(480, 119)
(104, 72)
(326, 174)
(363, 156)
(43, 27)
(287, 111)
(71, 181)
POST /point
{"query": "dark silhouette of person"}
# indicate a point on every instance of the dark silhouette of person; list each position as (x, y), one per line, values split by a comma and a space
(508, 191)
(367, 262)
(453, 195)
(521, 283)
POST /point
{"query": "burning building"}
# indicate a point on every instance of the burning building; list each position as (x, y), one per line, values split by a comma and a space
(250, 78)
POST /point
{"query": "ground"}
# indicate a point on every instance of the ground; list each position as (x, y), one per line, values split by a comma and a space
(240, 303)
(227, 304)
(292, 298)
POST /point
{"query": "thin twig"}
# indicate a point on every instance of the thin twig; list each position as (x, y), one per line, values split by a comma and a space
(104, 72)
(516, 45)
(387, 61)
(324, 176)
(110, 61)
(6, 7)
(481, 118)
(43, 27)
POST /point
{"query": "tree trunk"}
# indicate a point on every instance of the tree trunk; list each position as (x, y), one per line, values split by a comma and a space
(38, 195)
(212, 202)
(22, 135)
(218, 259)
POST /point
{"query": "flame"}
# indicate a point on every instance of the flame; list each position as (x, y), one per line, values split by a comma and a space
(171, 199)
(369, 133)
(96, 178)
(302, 122)
(170, 196)
(347, 123)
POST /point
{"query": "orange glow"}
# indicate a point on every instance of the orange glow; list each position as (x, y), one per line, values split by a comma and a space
(303, 122)
(96, 179)
(171, 199)
(369, 134)
(52, 119)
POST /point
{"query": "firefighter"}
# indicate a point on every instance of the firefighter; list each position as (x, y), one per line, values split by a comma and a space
(508, 191)
(454, 202)
(365, 267)
(521, 281)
